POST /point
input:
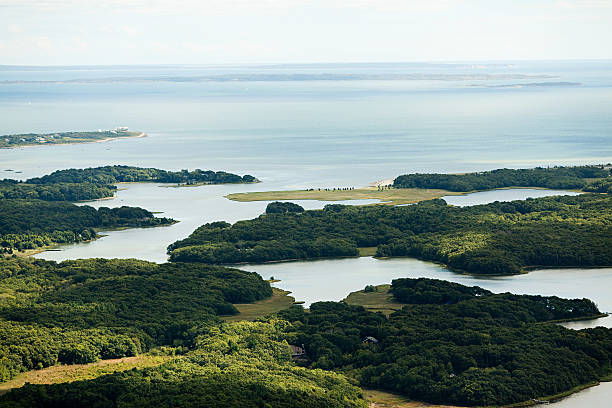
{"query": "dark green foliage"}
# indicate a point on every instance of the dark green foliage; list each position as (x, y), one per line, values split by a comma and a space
(555, 177)
(497, 238)
(238, 365)
(120, 174)
(29, 224)
(600, 186)
(278, 207)
(55, 192)
(80, 311)
(466, 346)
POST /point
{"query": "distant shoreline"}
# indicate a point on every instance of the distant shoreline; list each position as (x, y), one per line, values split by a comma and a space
(84, 141)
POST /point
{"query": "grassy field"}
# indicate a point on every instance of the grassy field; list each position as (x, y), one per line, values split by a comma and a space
(279, 300)
(76, 372)
(381, 399)
(390, 196)
(377, 301)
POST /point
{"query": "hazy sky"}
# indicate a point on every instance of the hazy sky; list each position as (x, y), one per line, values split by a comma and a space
(235, 31)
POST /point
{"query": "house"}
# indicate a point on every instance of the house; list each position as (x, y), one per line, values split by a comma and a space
(121, 129)
(297, 351)
(370, 339)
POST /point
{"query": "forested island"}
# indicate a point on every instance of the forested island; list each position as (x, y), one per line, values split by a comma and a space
(32, 224)
(496, 238)
(573, 178)
(99, 182)
(38, 139)
(453, 344)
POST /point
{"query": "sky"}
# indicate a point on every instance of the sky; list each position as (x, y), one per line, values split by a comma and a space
(109, 32)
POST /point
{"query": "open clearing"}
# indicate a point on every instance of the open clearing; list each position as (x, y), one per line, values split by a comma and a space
(75, 372)
(387, 196)
(279, 300)
(377, 301)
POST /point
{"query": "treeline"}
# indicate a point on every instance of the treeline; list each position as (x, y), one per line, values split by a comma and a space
(496, 238)
(235, 365)
(551, 177)
(10, 189)
(463, 346)
(121, 174)
(84, 310)
(29, 224)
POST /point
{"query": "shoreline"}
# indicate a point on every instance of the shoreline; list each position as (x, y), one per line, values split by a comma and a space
(108, 139)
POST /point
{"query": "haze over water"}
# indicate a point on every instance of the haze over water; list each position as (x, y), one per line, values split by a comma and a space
(302, 126)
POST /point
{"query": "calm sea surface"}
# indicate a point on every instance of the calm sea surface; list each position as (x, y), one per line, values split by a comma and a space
(318, 126)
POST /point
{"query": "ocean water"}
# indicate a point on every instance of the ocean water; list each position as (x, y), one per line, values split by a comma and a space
(327, 125)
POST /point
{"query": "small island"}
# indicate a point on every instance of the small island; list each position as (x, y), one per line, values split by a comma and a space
(38, 139)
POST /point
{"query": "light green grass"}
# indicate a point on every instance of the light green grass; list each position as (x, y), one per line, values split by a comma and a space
(76, 372)
(378, 301)
(279, 300)
(390, 196)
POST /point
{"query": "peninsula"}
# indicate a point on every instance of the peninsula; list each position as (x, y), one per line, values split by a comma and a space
(413, 188)
(39, 139)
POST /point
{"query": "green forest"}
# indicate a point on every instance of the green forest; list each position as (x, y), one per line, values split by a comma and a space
(457, 345)
(30, 224)
(124, 174)
(242, 364)
(99, 182)
(551, 177)
(452, 344)
(84, 310)
(496, 238)
(55, 191)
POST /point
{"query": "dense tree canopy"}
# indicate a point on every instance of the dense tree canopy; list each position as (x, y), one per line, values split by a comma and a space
(458, 345)
(552, 177)
(496, 238)
(119, 174)
(80, 311)
(55, 192)
(236, 365)
(279, 207)
(28, 224)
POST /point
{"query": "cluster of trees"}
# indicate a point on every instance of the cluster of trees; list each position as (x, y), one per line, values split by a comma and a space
(463, 346)
(279, 207)
(600, 186)
(119, 174)
(29, 224)
(235, 365)
(10, 189)
(496, 238)
(552, 177)
(83, 310)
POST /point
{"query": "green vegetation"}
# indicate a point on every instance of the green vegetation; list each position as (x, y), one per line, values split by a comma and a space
(77, 372)
(278, 207)
(555, 177)
(496, 238)
(241, 364)
(375, 299)
(280, 300)
(10, 189)
(386, 196)
(81, 311)
(31, 224)
(35, 139)
(127, 174)
(457, 345)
